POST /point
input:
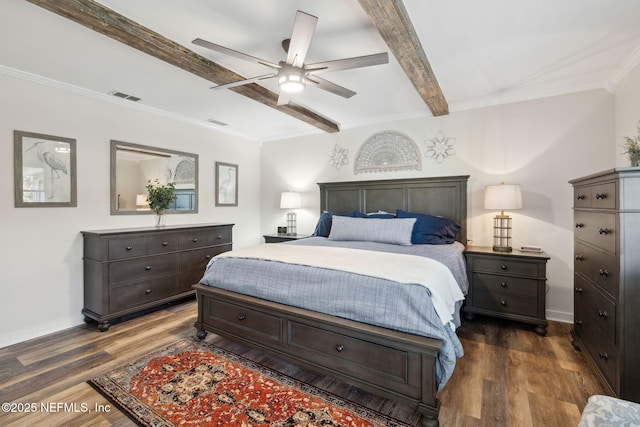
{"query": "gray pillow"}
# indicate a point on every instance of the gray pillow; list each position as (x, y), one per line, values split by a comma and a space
(396, 231)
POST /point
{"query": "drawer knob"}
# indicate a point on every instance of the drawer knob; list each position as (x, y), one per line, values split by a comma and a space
(581, 197)
(603, 231)
(219, 237)
(194, 240)
(578, 290)
(339, 348)
(603, 273)
(503, 284)
(148, 267)
(579, 225)
(602, 314)
(503, 302)
(601, 196)
(603, 355)
(165, 243)
(207, 256)
(579, 258)
(242, 317)
(129, 248)
(147, 291)
(578, 322)
(503, 267)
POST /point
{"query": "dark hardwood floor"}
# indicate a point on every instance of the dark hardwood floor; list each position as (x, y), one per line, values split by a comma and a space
(509, 376)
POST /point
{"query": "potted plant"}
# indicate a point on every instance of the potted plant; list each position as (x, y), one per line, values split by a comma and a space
(160, 198)
(632, 147)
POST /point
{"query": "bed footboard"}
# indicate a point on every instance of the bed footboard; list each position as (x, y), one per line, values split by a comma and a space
(392, 364)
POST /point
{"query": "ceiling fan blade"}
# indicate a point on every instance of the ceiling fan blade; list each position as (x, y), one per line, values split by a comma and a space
(283, 98)
(303, 29)
(234, 53)
(331, 87)
(348, 63)
(243, 82)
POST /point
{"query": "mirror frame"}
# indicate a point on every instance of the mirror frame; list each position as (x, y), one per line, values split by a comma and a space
(114, 149)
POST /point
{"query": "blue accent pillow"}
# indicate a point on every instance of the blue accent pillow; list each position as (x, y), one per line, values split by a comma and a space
(394, 231)
(430, 229)
(323, 227)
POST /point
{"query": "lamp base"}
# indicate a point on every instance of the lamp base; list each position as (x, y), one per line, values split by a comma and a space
(502, 249)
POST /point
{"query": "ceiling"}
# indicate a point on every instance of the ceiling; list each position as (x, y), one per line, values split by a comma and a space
(482, 53)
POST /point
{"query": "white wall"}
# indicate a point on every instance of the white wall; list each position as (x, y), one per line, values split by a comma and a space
(540, 144)
(627, 112)
(41, 260)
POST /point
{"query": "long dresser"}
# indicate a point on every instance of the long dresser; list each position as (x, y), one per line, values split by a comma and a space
(132, 269)
(607, 277)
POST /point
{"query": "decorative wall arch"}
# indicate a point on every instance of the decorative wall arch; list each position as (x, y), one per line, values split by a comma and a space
(388, 151)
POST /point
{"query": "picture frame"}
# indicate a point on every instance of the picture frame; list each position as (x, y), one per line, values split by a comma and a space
(45, 173)
(226, 184)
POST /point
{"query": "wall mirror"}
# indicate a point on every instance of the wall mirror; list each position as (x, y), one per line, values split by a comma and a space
(132, 165)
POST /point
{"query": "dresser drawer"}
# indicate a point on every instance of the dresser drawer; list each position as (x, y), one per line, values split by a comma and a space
(143, 268)
(596, 228)
(200, 257)
(162, 243)
(245, 321)
(599, 196)
(127, 247)
(596, 304)
(221, 236)
(597, 344)
(359, 357)
(140, 293)
(600, 268)
(517, 286)
(504, 303)
(505, 265)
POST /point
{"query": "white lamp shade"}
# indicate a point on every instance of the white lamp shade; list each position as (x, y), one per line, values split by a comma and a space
(290, 200)
(503, 197)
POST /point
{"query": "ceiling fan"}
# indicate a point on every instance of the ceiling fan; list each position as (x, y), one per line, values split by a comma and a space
(293, 74)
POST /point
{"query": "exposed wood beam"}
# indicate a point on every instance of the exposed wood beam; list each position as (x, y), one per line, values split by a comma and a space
(394, 25)
(110, 23)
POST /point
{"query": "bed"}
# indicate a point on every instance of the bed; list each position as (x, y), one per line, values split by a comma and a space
(403, 363)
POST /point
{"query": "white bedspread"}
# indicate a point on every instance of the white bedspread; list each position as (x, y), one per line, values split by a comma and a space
(409, 269)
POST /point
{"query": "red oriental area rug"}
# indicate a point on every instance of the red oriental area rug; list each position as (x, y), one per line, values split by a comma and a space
(193, 383)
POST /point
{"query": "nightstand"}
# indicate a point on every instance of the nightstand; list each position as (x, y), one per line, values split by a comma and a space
(511, 285)
(279, 238)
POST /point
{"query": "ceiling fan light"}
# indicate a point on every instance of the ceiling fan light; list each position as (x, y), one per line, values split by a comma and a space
(291, 82)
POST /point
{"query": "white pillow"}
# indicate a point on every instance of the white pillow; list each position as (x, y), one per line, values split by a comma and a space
(396, 231)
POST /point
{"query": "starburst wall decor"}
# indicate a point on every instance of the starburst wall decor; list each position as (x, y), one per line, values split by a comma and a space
(440, 147)
(338, 157)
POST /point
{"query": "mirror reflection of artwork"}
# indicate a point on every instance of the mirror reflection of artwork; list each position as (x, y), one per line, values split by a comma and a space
(134, 165)
(45, 170)
(226, 184)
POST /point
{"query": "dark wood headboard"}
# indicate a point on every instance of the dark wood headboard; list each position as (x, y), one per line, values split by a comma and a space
(444, 196)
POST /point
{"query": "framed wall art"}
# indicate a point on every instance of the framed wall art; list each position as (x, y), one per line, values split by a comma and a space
(44, 170)
(226, 184)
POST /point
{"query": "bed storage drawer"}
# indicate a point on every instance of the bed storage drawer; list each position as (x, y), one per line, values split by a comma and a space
(358, 357)
(245, 321)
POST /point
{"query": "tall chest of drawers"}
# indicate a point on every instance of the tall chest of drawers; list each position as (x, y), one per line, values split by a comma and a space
(133, 269)
(607, 277)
